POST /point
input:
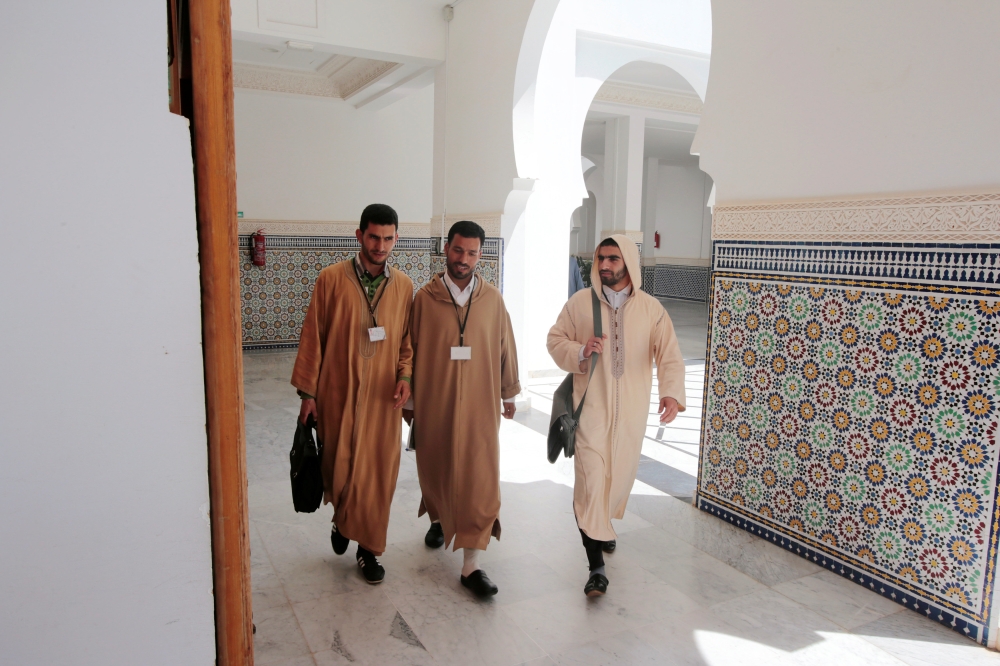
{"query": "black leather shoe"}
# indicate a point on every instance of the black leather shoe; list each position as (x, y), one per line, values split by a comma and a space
(609, 546)
(370, 568)
(435, 536)
(479, 583)
(596, 586)
(339, 541)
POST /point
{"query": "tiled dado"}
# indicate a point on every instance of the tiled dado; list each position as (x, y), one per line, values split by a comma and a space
(852, 415)
(274, 297)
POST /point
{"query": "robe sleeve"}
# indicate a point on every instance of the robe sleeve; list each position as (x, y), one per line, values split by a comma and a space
(405, 366)
(510, 384)
(562, 344)
(312, 340)
(669, 361)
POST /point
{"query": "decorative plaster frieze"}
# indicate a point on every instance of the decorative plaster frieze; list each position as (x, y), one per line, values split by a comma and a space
(490, 222)
(339, 78)
(972, 218)
(653, 98)
(307, 228)
(255, 77)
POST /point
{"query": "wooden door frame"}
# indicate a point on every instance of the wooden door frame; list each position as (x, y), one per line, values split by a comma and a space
(214, 151)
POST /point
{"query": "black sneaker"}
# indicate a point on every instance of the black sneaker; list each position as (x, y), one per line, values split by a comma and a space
(339, 541)
(596, 586)
(435, 536)
(479, 583)
(372, 570)
(609, 546)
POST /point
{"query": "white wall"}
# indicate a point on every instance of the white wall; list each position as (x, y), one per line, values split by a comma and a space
(852, 97)
(309, 158)
(106, 553)
(680, 211)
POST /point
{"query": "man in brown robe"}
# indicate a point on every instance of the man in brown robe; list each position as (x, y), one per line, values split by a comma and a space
(637, 332)
(353, 371)
(465, 365)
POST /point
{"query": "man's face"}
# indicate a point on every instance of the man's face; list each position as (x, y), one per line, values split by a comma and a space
(377, 242)
(461, 255)
(611, 266)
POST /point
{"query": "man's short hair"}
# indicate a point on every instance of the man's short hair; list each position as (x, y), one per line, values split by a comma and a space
(467, 229)
(379, 214)
(609, 242)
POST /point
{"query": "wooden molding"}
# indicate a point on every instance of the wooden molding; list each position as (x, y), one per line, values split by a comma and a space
(213, 140)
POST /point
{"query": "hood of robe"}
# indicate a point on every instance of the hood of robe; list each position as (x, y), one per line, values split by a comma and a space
(630, 253)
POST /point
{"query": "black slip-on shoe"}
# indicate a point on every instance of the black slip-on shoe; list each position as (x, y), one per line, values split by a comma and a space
(609, 546)
(370, 568)
(435, 536)
(479, 583)
(596, 586)
(339, 541)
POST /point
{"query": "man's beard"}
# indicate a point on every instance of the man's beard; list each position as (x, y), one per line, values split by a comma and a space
(456, 272)
(614, 279)
(372, 260)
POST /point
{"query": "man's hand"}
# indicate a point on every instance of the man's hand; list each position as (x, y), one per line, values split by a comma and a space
(593, 345)
(307, 409)
(402, 393)
(508, 410)
(408, 416)
(668, 410)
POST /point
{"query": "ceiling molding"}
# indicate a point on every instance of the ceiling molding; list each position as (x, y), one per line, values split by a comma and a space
(970, 218)
(340, 77)
(630, 94)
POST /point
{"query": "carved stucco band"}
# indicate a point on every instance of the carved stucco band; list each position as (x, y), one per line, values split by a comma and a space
(972, 218)
(346, 78)
(653, 98)
(306, 228)
(490, 222)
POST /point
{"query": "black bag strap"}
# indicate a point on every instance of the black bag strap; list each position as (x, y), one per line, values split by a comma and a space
(598, 331)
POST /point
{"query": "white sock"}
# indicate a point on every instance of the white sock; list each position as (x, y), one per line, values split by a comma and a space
(471, 560)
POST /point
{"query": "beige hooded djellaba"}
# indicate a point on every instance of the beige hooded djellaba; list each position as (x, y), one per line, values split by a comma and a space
(456, 409)
(613, 421)
(353, 380)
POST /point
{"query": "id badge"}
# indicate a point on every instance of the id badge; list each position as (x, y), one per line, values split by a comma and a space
(461, 353)
(376, 333)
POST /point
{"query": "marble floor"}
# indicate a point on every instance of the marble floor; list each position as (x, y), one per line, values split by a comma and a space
(685, 588)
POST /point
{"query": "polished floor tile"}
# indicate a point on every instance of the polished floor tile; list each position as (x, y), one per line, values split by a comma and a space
(685, 587)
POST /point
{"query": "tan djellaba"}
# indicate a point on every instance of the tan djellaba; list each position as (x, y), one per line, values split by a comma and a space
(613, 422)
(354, 380)
(457, 410)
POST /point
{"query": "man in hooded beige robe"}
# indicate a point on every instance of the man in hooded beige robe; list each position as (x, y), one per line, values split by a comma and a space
(457, 403)
(355, 382)
(637, 332)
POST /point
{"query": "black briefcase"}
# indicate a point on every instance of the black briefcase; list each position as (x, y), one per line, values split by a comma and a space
(564, 419)
(307, 477)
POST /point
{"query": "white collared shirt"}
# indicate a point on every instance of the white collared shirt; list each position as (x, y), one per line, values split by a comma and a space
(461, 296)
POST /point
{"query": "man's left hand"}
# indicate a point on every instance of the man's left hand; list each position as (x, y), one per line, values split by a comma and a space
(402, 393)
(508, 410)
(668, 410)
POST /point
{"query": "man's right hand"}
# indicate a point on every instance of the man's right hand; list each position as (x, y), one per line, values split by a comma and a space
(307, 409)
(593, 345)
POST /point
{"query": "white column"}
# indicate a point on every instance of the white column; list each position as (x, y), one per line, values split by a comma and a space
(616, 134)
(652, 179)
(633, 173)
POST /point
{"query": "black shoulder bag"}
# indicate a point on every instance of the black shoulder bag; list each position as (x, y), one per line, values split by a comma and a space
(307, 477)
(565, 420)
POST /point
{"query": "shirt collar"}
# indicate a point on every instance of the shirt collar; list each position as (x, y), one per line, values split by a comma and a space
(453, 288)
(616, 298)
(362, 273)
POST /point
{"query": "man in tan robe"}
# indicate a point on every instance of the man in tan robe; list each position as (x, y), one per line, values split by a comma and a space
(352, 372)
(637, 332)
(465, 365)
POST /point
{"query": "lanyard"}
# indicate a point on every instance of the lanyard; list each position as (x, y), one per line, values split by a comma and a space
(372, 306)
(461, 324)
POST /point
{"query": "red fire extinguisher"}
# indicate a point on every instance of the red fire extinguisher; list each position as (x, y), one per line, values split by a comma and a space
(656, 239)
(258, 248)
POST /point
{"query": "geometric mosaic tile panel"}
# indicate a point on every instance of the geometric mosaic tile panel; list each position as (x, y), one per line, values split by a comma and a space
(684, 282)
(856, 423)
(274, 297)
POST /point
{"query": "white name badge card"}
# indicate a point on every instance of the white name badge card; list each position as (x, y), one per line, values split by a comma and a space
(461, 353)
(377, 333)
